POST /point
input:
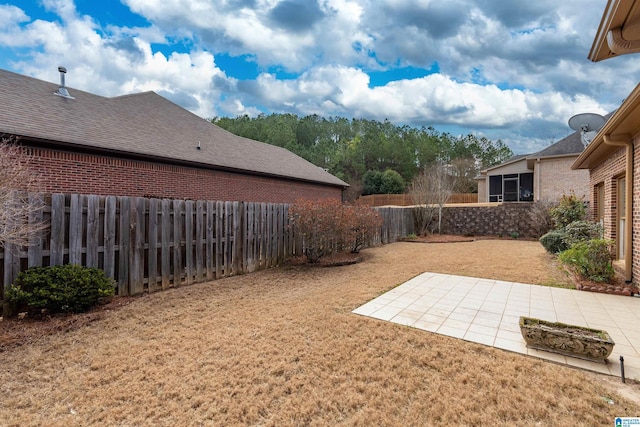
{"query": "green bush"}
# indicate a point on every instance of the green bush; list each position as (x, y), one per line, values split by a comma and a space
(392, 182)
(580, 231)
(569, 209)
(61, 288)
(590, 259)
(554, 241)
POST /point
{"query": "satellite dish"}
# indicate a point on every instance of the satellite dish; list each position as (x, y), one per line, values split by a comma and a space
(588, 124)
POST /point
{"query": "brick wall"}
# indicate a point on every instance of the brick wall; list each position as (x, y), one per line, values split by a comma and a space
(607, 174)
(66, 172)
(557, 179)
(635, 220)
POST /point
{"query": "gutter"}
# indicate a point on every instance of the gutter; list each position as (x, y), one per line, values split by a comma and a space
(625, 141)
(619, 45)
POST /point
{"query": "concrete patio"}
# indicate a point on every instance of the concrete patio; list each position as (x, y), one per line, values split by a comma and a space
(487, 312)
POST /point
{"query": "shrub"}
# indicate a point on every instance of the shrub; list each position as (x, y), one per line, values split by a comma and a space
(580, 231)
(590, 259)
(540, 217)
(327, 226)
(569, 209)
(392, 182)
(554, 242)
(371, 181)
(61, 288)
(318, 222)
(360, 223)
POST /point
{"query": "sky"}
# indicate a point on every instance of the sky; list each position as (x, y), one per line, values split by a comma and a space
(513, 70)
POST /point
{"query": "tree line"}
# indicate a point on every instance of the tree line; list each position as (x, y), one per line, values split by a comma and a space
(368, 153)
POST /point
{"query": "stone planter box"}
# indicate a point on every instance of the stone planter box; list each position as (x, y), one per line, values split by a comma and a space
(569, 340)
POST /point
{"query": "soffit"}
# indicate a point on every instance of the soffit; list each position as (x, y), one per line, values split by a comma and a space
(622, 14)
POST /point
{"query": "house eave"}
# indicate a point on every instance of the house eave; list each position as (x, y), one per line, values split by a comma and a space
(618, 32)
(533, 158)
(623, 125)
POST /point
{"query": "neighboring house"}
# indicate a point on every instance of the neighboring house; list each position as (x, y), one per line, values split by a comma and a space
(545, 175)
(613, 156)
(144, 145)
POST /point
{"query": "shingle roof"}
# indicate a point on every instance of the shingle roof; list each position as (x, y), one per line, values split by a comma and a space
(571, 144)
(143, 124)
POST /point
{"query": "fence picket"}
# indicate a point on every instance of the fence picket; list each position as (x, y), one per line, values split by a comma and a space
(178, 224)
(93, 231)
(56, 246)
(109, 257)
(166, 243)
(200, 225)
(136, 252)
(152, 264)
(209, 239)
(123, 252)
(218, 242)
(75, 229)
(35, 241)
(188, 240)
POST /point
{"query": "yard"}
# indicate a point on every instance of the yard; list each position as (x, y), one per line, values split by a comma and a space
(281, 347)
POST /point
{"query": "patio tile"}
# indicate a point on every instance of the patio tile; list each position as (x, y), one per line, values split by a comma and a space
(547, 355)
(479, 338)
(427, 325)
(481, 329)
(510, 335)
(488, 312)
(428, 317)
(386, 313)
(458, 324)
(511, 345)
(602, 368)
(451, 332)
(368, 309)
(462, 316)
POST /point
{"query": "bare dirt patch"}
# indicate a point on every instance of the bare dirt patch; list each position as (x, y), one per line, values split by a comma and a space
(281, 347)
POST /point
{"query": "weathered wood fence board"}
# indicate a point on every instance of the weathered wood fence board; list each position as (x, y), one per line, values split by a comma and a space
(147, 245)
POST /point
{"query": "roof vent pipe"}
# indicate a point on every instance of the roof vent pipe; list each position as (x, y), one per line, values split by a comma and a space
(62, 90)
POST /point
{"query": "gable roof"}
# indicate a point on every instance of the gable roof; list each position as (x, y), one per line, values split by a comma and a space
(143, 125)
(571, 144)
(568, 146)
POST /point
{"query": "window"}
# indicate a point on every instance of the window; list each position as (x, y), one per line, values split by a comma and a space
(599, 202)
(515, 187)
(495, 188)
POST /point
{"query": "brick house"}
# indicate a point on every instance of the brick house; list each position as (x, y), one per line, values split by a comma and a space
(144, 145)
(613, 157)
(545, 175)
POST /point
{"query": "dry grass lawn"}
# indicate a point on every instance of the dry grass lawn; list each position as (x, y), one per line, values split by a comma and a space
(282, 348)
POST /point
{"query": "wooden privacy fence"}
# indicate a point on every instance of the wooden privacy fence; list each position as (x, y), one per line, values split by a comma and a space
(406, 200)
(152, 244)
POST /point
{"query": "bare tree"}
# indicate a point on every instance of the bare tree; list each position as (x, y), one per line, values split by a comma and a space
(20, 202)
(429, 191)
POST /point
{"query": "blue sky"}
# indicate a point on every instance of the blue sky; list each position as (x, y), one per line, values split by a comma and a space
(513, 70)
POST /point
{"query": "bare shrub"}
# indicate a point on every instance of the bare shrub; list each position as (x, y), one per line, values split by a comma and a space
(327, 226)
(540, 217)
(19, 201)
(429, 191)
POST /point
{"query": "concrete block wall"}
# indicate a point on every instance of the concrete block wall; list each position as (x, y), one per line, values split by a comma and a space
(500, 219)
